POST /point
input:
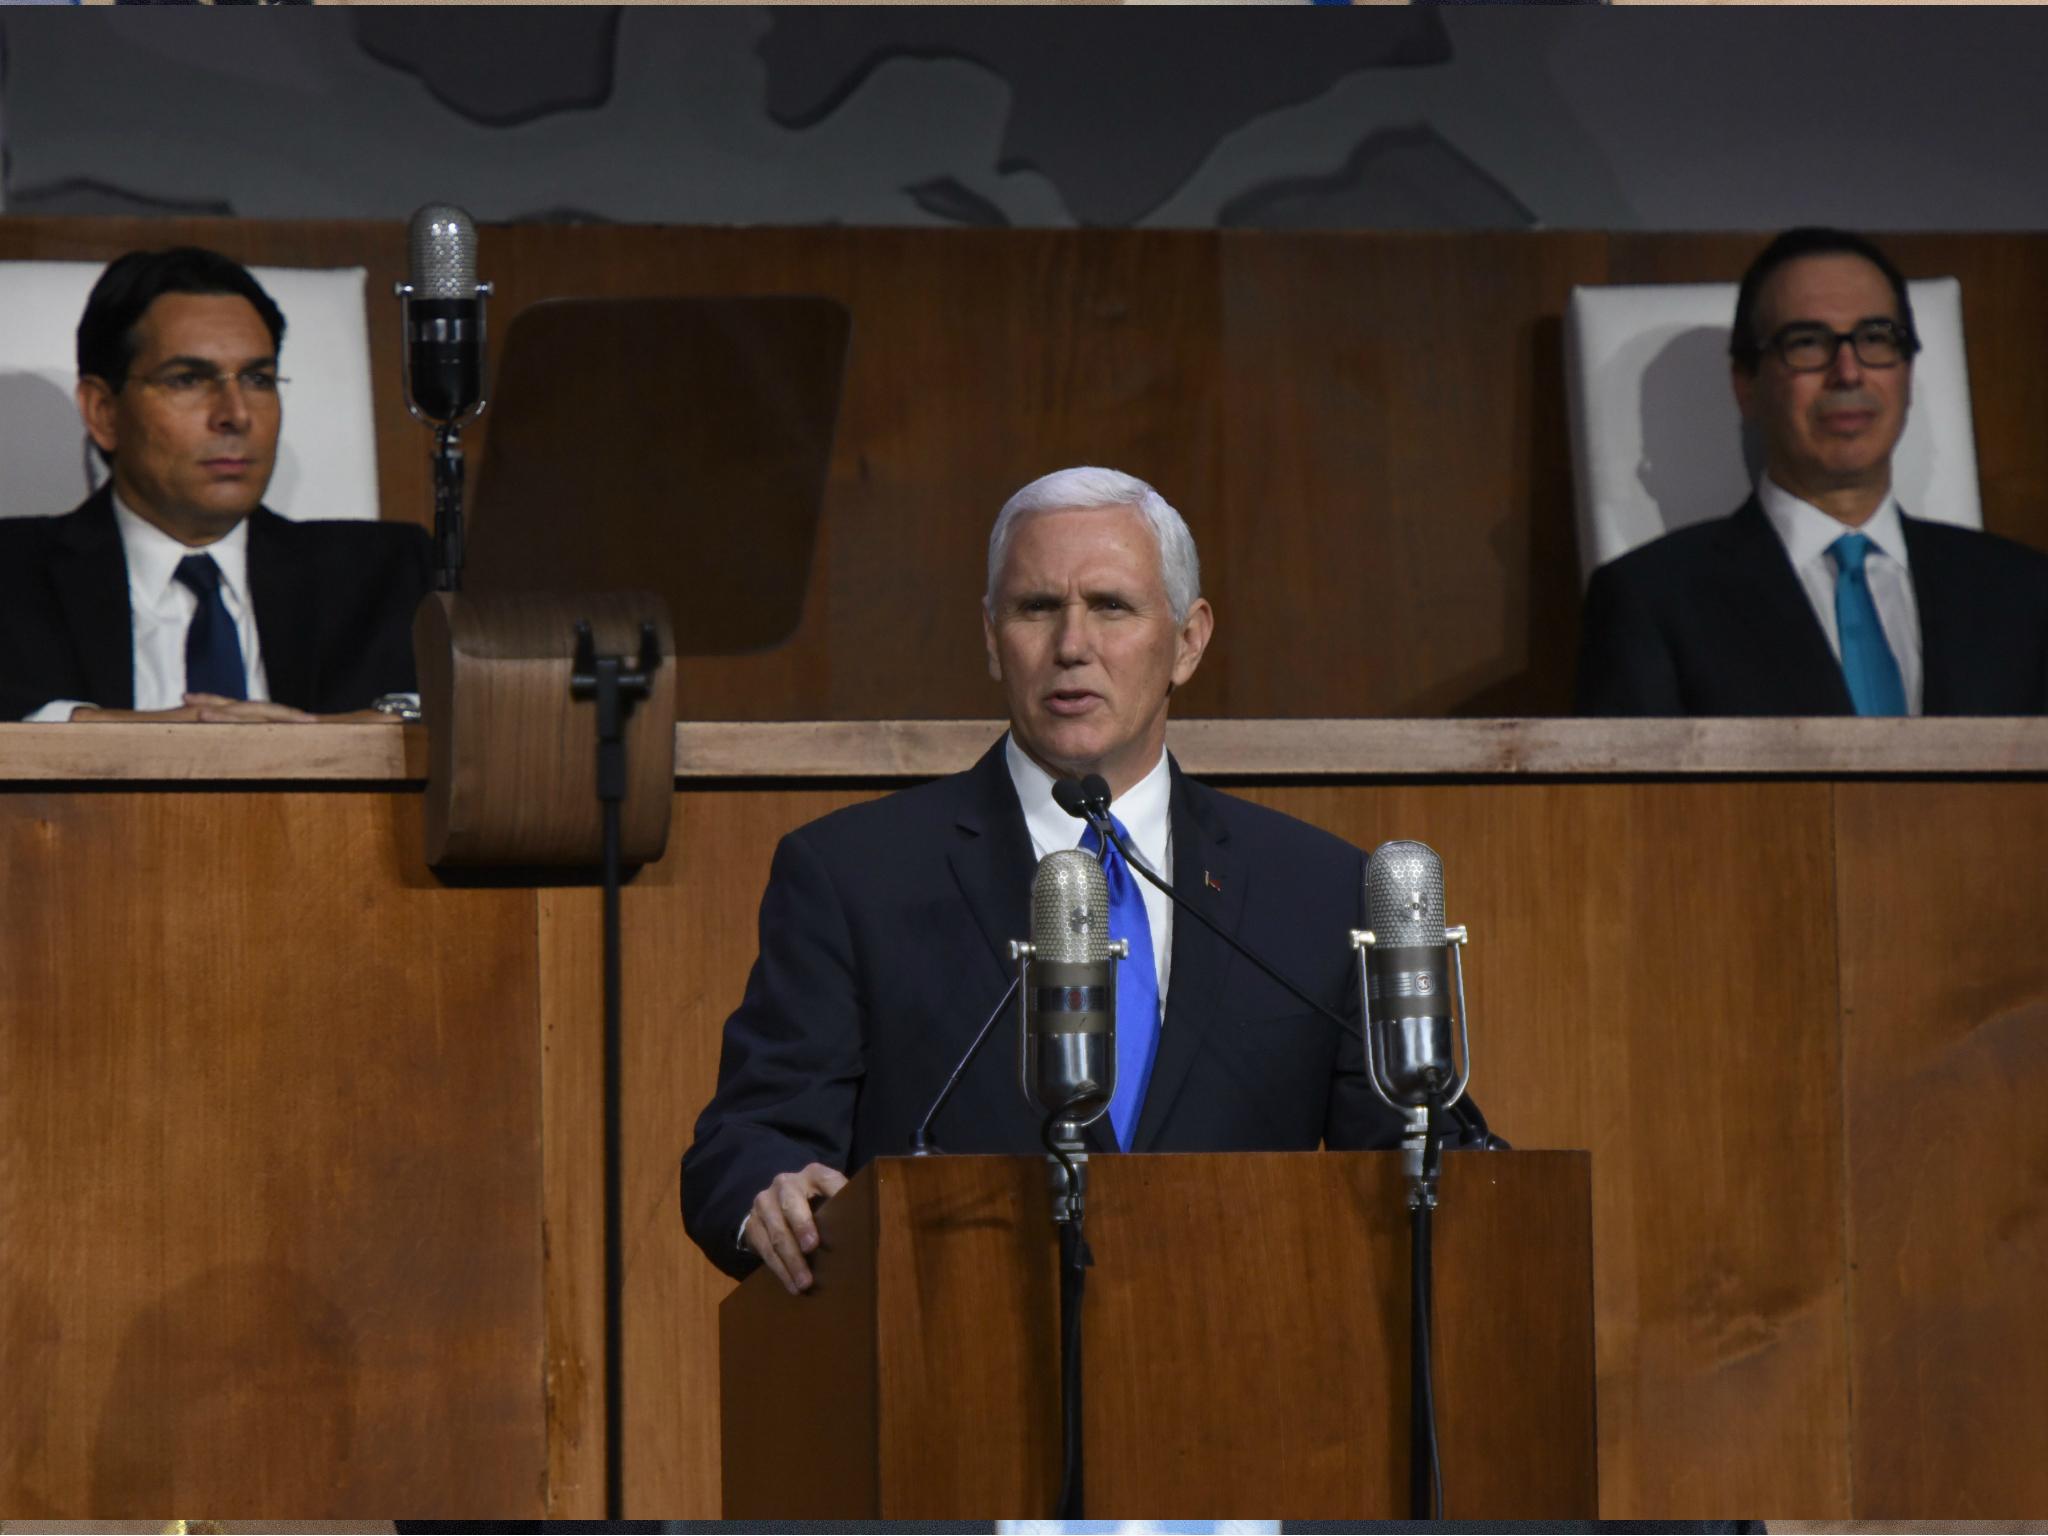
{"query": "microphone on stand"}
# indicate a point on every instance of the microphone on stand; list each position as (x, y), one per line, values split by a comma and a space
(1066, 1058)
(1412, 961)
(442, 310)
(1087, 799)
(441, 315)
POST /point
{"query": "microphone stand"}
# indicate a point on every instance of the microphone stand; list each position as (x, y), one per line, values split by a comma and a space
(1422, 1161)
(1063, 1144)
(448, 553)
(616, 688)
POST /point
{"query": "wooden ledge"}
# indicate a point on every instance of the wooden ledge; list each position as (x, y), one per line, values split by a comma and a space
(1219, 749)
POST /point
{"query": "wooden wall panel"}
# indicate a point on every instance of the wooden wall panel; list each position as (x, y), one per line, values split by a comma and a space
(269, 1177)
(224, 1064)
(1945, 1008)
(690, 936)
(1366, 431)
(1643, 957)
(1399, 538)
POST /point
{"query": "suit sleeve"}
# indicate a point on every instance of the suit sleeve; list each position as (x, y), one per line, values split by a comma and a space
(790, 1068)
(1626, 666)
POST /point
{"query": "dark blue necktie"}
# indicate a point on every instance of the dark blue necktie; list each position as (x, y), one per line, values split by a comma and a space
(1868, 665)
(213, 648)
(1137, 987)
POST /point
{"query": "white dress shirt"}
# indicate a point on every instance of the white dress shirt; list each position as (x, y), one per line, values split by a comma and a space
(160, 609)
(1143, 810)
(1807, 532)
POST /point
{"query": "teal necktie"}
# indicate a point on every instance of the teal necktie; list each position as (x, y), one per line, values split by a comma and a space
(1137, 987)
(1868, 665)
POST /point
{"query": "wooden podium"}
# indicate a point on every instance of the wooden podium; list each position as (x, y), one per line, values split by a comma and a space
(1245, 1355)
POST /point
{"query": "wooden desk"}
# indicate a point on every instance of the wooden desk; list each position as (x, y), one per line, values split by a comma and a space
(298, 1167)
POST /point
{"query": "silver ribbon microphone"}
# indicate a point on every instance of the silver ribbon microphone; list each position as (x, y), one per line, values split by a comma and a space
(1412, 964)
(1066, 1056)
(442, 312)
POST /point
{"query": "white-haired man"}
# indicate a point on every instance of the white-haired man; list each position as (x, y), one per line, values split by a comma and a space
(885, 927)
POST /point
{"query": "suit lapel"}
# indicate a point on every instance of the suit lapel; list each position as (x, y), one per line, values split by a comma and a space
(89, 573)
(990, 855)
(1780, 622)
(1939, 594)
(282, 588)
(1207, 876)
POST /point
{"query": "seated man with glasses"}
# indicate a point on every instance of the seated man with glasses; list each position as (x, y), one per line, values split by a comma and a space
(173, 593)
(1821, 596)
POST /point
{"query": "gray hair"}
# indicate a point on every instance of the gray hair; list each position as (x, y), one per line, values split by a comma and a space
(1088, 487)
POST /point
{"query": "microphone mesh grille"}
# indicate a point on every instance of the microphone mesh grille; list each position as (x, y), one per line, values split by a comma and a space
(1070, 908)
(1404, 894)
(443, 251)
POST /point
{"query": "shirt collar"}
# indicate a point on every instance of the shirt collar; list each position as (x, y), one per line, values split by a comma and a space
(1807, 532)
(153, 556)
(1142, 808)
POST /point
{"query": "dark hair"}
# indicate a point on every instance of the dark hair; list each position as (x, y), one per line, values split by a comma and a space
(1746, 347)
(131, 283)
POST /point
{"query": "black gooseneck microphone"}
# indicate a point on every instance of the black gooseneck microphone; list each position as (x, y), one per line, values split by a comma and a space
(921, 1143)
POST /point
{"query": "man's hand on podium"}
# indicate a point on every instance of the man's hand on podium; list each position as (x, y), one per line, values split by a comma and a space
(780, 1228)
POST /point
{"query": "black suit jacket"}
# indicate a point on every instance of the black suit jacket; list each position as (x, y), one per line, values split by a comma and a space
(884, 945)
(334, 603)
(1712, 620)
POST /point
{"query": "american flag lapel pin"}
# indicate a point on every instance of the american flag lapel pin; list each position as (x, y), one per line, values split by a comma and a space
(1212, 882)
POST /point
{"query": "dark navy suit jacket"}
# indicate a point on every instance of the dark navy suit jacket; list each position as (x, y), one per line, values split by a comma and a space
(1712, 620)
(334, 604)
(884, 945)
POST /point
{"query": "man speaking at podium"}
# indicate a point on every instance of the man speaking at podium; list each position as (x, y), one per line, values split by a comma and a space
(885, 928)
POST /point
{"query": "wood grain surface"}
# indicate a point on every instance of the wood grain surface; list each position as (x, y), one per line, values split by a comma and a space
(513, 750)
(1245, 1350)
(1643, 958)
(269, 1164)
(1945, 1014)
(261, 1077)
(903, 750)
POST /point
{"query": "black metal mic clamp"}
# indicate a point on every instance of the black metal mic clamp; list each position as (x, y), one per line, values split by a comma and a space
(617, 688)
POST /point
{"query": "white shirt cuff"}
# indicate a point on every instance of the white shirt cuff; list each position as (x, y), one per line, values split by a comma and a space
(56, 711)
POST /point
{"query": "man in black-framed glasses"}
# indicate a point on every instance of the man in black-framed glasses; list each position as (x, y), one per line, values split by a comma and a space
(1821, 595)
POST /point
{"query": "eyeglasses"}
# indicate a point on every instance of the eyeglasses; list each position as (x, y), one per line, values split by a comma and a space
(189, 386)
(1808, 347)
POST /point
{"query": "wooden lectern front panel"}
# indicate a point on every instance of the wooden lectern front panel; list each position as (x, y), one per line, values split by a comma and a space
(1245, 1343)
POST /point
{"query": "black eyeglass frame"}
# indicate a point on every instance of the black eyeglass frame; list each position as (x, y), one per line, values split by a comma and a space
(1902, 336)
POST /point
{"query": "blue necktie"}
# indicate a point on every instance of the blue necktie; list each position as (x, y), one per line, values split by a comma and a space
(1868, 665)
(1137, 987)
(213, 648)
